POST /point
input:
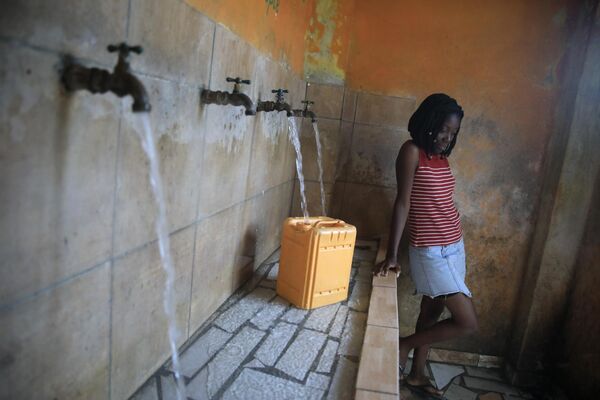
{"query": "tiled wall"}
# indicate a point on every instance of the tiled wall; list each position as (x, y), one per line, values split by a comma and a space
(360, 134)
(81, 281)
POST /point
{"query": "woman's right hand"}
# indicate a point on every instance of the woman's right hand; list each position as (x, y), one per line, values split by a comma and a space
(383, 267)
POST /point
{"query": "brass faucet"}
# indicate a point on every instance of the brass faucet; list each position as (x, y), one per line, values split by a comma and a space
(278, 105)
(120, 82)
(306, 113)
(235, 98)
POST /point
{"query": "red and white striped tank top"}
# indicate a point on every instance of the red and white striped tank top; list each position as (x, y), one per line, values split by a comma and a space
(433, 220)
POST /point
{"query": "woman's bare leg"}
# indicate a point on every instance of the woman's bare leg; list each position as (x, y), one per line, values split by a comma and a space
(431, 309)
(462, 322)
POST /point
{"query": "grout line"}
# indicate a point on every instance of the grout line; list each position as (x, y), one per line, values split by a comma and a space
(349, 150)
(197, 210)
(30, 296)
(253, 134)
(50, 51)
(189, 317)
(16, 302)
(128, 20)
(389, 127)
(380, 326)
(197, 221)
(377, 391)
(375, 185)
(212, 54)
(158, 385)
(344, 90)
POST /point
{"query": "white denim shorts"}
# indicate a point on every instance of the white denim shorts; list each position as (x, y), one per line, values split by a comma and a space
(439, 270)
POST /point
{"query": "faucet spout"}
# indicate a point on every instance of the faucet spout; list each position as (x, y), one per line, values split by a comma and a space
(121, 81)
(285, 107)
(241, 99)
(235, 98)
(128, 84)
(226, 98)
(277, 105)
(311, 115)
(306, 113)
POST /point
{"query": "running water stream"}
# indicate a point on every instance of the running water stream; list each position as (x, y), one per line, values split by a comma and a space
(295, 138)
(162, 231)
(320, 163)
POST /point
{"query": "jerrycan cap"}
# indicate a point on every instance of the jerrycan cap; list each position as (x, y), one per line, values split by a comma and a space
(303, 226)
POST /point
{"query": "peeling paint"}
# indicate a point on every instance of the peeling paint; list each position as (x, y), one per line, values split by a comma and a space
(326, 43)
(320, 63)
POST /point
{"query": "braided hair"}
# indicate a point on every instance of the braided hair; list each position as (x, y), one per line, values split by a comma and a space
(426, 123)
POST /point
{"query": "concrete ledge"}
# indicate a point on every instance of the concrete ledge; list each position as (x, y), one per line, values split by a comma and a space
(368, 395)
(383, 308)
(378, 368)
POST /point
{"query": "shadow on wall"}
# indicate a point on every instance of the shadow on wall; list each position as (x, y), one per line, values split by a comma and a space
(577, 350)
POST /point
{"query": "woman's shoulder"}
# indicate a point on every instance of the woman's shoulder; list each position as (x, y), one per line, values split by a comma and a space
(410, 149)
(410, 145)
(409, 153)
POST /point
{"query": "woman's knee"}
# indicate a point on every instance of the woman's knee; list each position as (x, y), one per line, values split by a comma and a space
(466, 326)
(470, 326)
(463, 314)
(430, 312)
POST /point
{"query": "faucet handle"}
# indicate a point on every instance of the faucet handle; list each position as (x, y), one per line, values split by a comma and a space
(279, 94)
(307, 104)
(124, 49)
(238, 80)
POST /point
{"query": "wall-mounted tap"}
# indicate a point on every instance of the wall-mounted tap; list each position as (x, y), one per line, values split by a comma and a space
(278, 105)
(121, 81)
(306, 113)
(235, 98)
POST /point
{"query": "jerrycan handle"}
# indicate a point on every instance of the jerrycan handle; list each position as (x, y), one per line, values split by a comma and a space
(335, 222)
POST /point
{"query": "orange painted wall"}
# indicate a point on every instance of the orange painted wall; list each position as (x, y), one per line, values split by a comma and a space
(497, 57)
(502, 61)
(276, 27)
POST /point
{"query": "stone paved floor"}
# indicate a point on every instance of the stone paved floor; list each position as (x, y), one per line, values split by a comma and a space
(258, 346)
(461, 382)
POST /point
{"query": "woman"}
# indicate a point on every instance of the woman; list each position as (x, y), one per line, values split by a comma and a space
(436, 252)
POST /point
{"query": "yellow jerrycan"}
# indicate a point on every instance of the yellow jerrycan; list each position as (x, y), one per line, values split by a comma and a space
(315, 261)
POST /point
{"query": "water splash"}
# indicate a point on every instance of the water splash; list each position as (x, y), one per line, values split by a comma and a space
(164, 246)
(295, 138)
(320, 164)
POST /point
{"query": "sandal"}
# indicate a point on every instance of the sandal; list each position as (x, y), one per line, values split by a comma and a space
(401, 376)
(426, 389)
